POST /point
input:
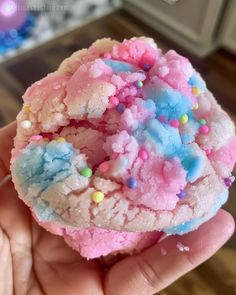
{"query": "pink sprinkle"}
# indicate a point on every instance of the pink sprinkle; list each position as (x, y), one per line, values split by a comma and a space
(204, 129)
(174, 123)
(143, 154)
(104, 167)
(36, 137)
(114, 155)
(114, 101)
(162, 119)
(107, 55)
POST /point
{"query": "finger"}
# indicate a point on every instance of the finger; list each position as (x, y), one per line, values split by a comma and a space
(160, 265)
(7, 135)
(6, 278)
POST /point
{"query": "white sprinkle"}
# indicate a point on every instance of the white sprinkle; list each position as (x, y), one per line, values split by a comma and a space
(163, 251)
(182, 248)
(26, 124)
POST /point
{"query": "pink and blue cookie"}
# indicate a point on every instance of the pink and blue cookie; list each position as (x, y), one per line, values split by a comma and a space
(120, 144)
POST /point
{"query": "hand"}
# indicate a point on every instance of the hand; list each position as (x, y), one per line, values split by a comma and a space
(34, 261)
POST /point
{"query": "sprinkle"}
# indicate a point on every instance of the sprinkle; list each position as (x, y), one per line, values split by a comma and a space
(114, 155)
(139, 84)
(182, 247)
(114, 100)
(120, 108)
(147, 67)
(202, 121)
(162, 119)
(97, 196)
(86, 172)
(204, 129)
(184, 119)
(143, 154)
(196, 106)
(26, 124)
(174, 123)
(61, 139)
(196, 91)
(36, 137)
(182, 194)
(132, 182)
(228, 182)
(104, 167)
(26, 108)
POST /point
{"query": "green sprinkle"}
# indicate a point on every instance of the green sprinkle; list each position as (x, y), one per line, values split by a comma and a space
(202, 121)
(86, 172)
(139, 84)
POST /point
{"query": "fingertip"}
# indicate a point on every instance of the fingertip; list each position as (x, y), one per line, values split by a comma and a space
(164, 262)
(213, 234)
(227, 222)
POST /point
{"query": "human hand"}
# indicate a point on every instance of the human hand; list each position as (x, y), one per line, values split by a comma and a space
(34, 261)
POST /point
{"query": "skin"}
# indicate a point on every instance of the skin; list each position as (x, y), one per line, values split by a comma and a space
(34, 261)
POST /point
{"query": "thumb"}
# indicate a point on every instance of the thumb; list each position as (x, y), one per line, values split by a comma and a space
(6, 144)
(163, 263)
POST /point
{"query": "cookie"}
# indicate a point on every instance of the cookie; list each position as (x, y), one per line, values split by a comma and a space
(121, 143)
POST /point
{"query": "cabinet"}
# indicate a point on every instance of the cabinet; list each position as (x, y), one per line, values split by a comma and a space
(190, 23)
(228, 27)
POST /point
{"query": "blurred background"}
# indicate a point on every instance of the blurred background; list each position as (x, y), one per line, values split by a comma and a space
(36, 35)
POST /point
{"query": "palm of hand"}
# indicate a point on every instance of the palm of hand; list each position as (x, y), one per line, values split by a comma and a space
(34, 261)
(41, 262)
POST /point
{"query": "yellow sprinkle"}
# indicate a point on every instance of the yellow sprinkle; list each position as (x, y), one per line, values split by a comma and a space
(26, 108)
(97, 196)
(184, 119)
(196, 106)
(196, 91)
(61, 139)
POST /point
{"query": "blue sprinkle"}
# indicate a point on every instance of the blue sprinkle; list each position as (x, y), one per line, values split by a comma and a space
(182, 194)
(132, 182)
(147, 67)
(120, 108)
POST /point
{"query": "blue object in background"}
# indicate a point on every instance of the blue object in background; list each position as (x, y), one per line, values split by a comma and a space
(14, 38)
